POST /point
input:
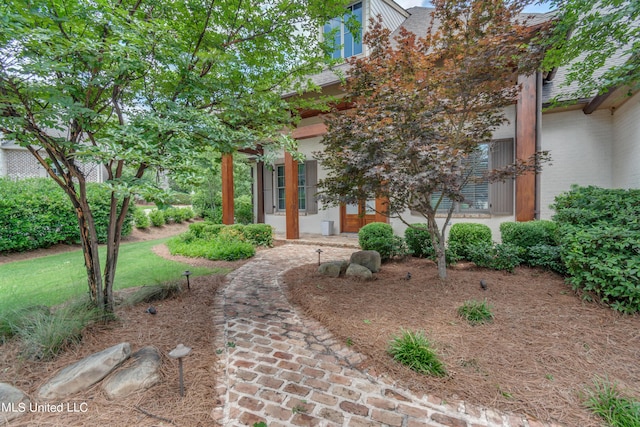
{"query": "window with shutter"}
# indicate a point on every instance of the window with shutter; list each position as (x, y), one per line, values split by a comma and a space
(274, 196)
(501, 193)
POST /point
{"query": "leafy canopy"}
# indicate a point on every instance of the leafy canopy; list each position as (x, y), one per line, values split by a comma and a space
(424, 107)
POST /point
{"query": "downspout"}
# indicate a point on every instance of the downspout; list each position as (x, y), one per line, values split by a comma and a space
(538, 139)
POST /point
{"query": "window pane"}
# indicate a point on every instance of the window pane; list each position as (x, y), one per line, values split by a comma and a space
(281, 205)
(302, 175)
(352, 209)
(280, 173)
(357, 41)
(370, 207)
(302, 198)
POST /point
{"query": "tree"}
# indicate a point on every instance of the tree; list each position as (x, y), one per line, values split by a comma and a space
(424, 108)
(599, 42)
(147, 84)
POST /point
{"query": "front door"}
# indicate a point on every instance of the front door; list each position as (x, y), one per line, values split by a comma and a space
(355, 216)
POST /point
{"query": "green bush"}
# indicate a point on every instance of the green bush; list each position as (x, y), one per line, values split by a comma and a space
(259, 234)
(215, 249)
(599, 233)
(36, 213)
(206, 230)
(463, 235)
(495, 256)
(414, 350)
(546, 256)
(530, 233)
(243, 210)
(418, 241)
(156, 217)
(379, 237)
(141, 219)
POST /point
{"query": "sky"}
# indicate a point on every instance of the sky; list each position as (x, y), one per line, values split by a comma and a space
(537, 8)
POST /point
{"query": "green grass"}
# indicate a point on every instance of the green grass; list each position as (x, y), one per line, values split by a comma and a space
(414, 350)
(54, 279)
(476, 312)
(605, 400)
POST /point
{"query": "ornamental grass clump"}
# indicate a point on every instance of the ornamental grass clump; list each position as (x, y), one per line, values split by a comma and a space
(476, 312)
(414, 350)
(605, 400)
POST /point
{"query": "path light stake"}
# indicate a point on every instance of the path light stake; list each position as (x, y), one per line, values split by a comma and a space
(178, 353)
(187, 273)
(319, 252)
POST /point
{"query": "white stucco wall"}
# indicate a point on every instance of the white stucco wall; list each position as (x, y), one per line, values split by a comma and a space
(581, 153)
(626, 145)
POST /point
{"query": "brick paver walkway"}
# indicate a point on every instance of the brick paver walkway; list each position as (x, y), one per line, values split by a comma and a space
(287, 370)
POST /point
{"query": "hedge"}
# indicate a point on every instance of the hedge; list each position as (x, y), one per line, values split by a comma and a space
(465, 234)
(599, 231)
(36, 213)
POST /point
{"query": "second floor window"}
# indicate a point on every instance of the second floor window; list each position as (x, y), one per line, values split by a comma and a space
(345, 43)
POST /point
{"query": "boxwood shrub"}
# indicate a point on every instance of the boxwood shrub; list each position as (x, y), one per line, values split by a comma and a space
(464, 234)
(378, 236)
(418, 241)
(599, 233)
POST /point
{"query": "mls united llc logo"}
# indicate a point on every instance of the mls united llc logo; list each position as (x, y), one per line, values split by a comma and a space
(44, 407)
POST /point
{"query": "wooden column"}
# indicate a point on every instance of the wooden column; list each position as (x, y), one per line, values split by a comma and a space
(260, 192)
(526, 119)
(227, 188)
(291, 196)
(381, 207)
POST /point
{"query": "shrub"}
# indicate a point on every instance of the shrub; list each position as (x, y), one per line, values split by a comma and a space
(159, 292)
(259, 234)
(141, 219)
(497, 257)
(546, 256)
(243, 210)
(418, 241)
(463, 235)
(530, 233)
(156, 217)
(414, 350)
(599, 233)
(476, 312)
(379, 237)
(206, 230)
(35, 213)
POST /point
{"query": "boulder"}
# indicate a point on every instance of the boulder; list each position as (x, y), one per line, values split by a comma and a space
(143, 373)
(357, 270)
(13, 403)
(84, 373)
(333, 268)
(369, 259)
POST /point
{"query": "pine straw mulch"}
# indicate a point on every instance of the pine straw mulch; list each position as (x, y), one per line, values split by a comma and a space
(186, 319)
(543, 348)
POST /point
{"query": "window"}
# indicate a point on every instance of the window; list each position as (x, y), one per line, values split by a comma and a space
(480, 196)
(345, 43)
(274, 187)
(302, 187)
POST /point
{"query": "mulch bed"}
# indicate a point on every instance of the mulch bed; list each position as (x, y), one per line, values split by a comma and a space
(543, 348)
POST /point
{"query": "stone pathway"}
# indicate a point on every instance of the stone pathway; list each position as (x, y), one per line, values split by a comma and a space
(284, 369)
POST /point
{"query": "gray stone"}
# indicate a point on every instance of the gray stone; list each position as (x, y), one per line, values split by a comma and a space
(84, 373)
(143, 373)
(369, 259)
(13, 403)
(333, 268)
(357, 270)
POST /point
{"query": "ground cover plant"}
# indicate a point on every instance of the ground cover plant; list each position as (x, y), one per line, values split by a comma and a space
(476, 312)
(415, 351)
(607, 401)
(537, 356)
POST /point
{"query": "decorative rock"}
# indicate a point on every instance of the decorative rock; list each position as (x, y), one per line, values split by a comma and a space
(180, 351)
(357, 270)
(333, 268)
(84, 373)
(369, 259)
(13, 403)
(142, 374)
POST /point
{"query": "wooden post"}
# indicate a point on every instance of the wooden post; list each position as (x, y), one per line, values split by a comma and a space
(227, 188)
(291, 196)
(260, 192)
(526, 117)
(382, 204)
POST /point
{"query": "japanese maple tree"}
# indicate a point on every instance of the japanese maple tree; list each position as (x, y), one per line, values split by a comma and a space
(423, 108)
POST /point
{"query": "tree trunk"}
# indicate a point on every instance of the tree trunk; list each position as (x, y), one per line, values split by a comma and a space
(114, 236)
(437, 240)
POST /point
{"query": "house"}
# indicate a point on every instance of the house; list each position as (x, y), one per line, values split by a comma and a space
(16, 162)
(593, 142)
